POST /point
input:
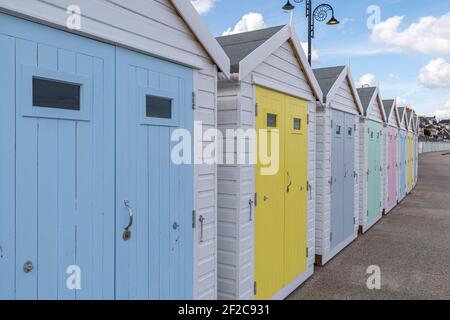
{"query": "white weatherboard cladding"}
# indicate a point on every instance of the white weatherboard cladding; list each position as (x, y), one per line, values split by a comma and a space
(344, 101)
(282, 69)
(236, 183)
(149, 26)
(374, 112)
(153, 27)
(363, 167)
(403, 124)
(393, 119)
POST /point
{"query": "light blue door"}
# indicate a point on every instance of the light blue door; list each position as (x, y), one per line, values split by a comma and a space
(374, 179)
(337, 171)
(153, 100)
(57, 179)
(349, 175)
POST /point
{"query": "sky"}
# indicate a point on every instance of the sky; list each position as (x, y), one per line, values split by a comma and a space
(402, 46)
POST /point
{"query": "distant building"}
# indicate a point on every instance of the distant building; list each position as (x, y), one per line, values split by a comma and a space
(425, 121)
(445, 134)
(431, 128)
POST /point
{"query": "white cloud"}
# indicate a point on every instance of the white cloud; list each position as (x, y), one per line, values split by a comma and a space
(430, 35)
(444, 111)
(435, 74)
(203, 6)
(249, 22)
(314, 54)
(392, 76)
(400, 102)
(367, 79)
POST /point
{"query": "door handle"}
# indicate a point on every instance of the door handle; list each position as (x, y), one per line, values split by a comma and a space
(201, 219)
(290, 182)
(127, 232)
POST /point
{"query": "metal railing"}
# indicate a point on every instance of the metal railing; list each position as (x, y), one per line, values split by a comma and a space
(428, 146)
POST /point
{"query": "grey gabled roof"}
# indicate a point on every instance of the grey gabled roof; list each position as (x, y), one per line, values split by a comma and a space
(327, 77)
(238, 46)
(388, 105)
(366, 94)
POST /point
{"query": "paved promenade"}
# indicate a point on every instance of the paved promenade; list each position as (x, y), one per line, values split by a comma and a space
(411, 246)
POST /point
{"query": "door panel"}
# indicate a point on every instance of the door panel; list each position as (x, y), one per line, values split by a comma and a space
(296, 168)
(337, 176)
(405, 168)
(349, 176)
(281, 211)
(410, 161)
(269, 212)
(392, 167)
(7, 168)
(156, 262)
(374, 185)
(64, 168)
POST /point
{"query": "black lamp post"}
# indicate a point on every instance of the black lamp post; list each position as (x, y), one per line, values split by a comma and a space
(319, 14)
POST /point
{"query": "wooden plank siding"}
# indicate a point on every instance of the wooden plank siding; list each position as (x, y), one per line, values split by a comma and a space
(152, 27)
(236, 183)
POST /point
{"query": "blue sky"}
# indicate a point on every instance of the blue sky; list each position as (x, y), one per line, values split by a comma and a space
(408, 57)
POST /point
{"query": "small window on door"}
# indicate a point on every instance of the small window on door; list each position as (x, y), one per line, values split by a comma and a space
(158, 107)
(338, 130)
(49, 93)
(297, 124)
(271, 120)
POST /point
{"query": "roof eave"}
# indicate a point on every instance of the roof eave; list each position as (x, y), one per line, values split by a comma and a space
(187, 11)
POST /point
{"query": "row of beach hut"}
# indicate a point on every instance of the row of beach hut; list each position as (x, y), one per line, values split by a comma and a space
(353, 159)
(89, 190)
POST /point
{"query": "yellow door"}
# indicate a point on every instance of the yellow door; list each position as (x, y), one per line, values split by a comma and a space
(281, 210)
(296, 168)
(269, 210)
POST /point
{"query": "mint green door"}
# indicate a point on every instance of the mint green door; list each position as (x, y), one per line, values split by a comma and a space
(374, 179)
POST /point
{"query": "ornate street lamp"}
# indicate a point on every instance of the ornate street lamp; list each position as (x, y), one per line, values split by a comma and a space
(319, 14)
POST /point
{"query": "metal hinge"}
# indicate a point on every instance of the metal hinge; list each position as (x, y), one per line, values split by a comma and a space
(331, 236)
(254, 288)
(193, 219)
(367, 212)
(354, 126)
(194, 100)
(354, 220)
(307, 252)
(256, 109)
(256, 199)
(332, 123)
(307, 119)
